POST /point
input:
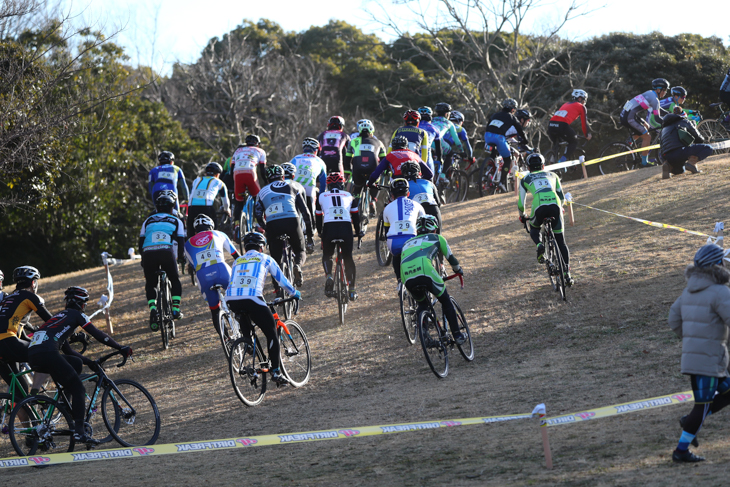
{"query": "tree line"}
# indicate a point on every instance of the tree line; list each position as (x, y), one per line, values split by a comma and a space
(80, 128)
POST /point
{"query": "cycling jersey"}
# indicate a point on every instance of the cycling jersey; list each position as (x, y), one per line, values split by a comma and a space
(447, 128)
(161, 231)
(501, 121)
(400, 217)
(277, 201)
(333, 145)
(545, 189)
(648, 101)
(462, 136)
(417, 140)
(311, 171)
(569, 112)
(666, 106)
(246, 158)
(422, 191)
(208, 248)
(418, 256)
(205, 191)
(337, 205)
(433, 135)
(16, 307)
(394, 160)
(167, 177)
(57, 329)
(249, 276)
(725, 86)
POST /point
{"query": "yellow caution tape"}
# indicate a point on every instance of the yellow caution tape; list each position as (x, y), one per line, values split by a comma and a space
(627, 407)
(605, 158)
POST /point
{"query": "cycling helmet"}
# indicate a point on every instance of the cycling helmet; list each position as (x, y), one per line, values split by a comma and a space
(289, 170)
(165, 200)
(310, 145)
(213, 168)
(660, 83)
(336, 123)
(411, 117)
(399, 187)
(410, 170)
(427, 224)
(535, 161)
(399, 142)
(254, 241)
(426, 113)
(442, 108)
(708, 255)
(2, 276)
(335, 178)
(25, 274)
(76, 297)
(166, 157)
(578, 93)
(457, 117)
(679, 92)
(365, 125)
(202, 223)
(252, 140)
(523, 114)
(509, 103)
(274, 173)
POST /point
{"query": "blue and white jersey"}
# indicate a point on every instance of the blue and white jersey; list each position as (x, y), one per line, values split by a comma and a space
(167, 176)
(208, 248)
(277, 201)
(206, 189)
(160, 232)
(422, 191)
(400, 216)
(311, 172)
(249, 277)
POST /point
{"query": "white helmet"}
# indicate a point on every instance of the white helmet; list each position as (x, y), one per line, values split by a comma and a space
(365, 125)
(578, 93)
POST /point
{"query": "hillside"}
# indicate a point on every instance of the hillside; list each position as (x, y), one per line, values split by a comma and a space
(608, 344)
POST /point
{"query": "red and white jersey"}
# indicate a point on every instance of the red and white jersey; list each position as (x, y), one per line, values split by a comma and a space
(336, 206)
(246, 158)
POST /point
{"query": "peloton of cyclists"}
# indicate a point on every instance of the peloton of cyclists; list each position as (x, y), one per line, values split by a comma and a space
(649, 101)
(364, 154)
(559, 126)
(333, 144)
(166, 176)
(248, 164)
(399, 217)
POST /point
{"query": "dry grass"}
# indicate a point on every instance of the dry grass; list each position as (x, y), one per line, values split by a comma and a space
(608, 344)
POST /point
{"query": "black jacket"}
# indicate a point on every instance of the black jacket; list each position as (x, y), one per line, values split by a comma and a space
(670, 136)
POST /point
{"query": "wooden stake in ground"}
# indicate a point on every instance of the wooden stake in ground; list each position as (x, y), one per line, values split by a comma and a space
(583, 166)
(571, 220)
(546, 447)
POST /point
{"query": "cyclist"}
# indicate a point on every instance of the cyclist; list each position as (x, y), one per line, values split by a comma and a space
(670, 104)
(14, 316)
(245, 291)
(417, 270)
(434, 138)
(365, 152)
(161, 241)
(499, 124)
(446, 127)
(399, 217)
(649, 101)
(311, 172)
(417, 137)
(725, 97)
(248, 164)
(700, 317)
(559, 125)
(333, 144)
(547, 202)
(205, 251)
(290, 171)
(457, 118)
(396, 158)
(167, 176)
(205, 191)
(277, 209)
(678, 153)
(422, 191)
(340, 213)
(44, 353)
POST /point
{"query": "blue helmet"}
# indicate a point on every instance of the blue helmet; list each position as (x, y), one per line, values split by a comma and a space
(709, 255)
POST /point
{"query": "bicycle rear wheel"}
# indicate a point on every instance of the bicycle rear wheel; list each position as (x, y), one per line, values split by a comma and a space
(485, 176)
(381, 244)
(713, 131)
(436, 353)
(287, 268)
(296, 361)
(134, 410)
(467, 348)
(363, 208)
(558, 267)
(164, 310)
(457, 188)
(617, 164)
(38, 425)
(244, 368)
(228, 333)
(340, 286)
(408, 316)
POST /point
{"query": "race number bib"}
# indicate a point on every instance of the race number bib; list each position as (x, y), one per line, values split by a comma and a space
(274, 209)
(496, 123)
(561, 113)
(244, 282)
(421, 198)
(166, 175)
(367, 148)
(161, 238)
(415, 242)
(209, 257)
(38, 338)
(403, 226)
(200, 194)
(337, 212)
(304, 172)
(627, 105)
(541, 184)
(414, 147)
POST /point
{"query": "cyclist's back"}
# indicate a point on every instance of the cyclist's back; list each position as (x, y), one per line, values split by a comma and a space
(422, 191)
(205, 190)
(167, 177)
(365, 152)
(333, 145)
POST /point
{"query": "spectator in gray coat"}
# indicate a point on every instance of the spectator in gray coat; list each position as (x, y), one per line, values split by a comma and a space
(701, 317)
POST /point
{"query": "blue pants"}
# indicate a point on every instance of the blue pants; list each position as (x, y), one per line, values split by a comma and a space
(500, 141)
(209, 276)
(677, 157)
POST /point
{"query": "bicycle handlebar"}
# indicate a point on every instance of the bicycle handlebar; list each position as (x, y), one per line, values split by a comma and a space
(460, 276)
(103, 359)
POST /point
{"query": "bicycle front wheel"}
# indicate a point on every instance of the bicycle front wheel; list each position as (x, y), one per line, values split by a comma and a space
(287, 268)
(38, 425)
(381, 244)
(408, 314)
(6, 407)
(713, 131)
(296, 361)
(244, 368)
(625, 162)
(432, 343)
(467, 348)
(132, 408)
(559, 267)
(340, 288)
(363, 208)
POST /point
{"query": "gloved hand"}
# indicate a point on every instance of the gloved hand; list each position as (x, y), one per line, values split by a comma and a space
(93, 365)
(522, 218)
(457, 270)
(297, 295)
(126, 351)
(719, 226)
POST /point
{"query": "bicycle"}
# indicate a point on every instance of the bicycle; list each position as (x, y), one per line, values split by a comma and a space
(630, 161)
(246, 221)
(454, 184)
(128, 410)
(382, 252)
(435, 335)
(714, 130)
(228, 330)
(553, 156)
(342, 287)
(164, 309)
(249, 362)
(408, 306)
(491, 172)
(554, 264)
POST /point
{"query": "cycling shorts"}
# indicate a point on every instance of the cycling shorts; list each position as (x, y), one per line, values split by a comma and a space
(333, 164)
(395, 244)
(243, 181)
(361, 170)
(704, 387)
(631, 120)
(207, 277)
(559, 131)
(548, 211)
(500, 141)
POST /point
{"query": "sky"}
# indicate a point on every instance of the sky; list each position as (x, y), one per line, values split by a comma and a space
(159, 33)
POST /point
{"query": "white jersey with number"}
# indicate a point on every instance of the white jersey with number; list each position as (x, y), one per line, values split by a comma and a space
(246, 158)
(400, 215)
(248, 277)
(336, 206)
(309, 169)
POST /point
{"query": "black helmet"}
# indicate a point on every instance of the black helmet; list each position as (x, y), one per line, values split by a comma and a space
(76, 297)
(399, 187)
(679, 92)
(25, 274)
(708, 255)
(165, 200)
(427, 224)
(254, 241)
(252, 139)
(457, 117)
(166, 157)
(410, 170)
(213, 168)
(202, 223)
(535, 161)
(442, 108)
(509, 103)
(660, 83)
(335, 123)
(523, 114)
(399, 142)
(274, 173)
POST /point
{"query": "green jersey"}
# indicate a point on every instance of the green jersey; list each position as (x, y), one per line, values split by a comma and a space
(418, 255)
(544, 186)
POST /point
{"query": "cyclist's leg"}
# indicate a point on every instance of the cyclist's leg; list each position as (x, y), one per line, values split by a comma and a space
(538, 216)
(296, 240)
(209, 276)
(311, 197)
(412, 284)
(347, 246)
(569, 135)
(328, 248)
(65, 370)
(238, 307)
(261, 315)
(395, 245)
(150, 265)
(433, 210)
(13, 351)
(556, 135)
(168, 264)
(557, 213)
(239, 193)
(446, 304)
